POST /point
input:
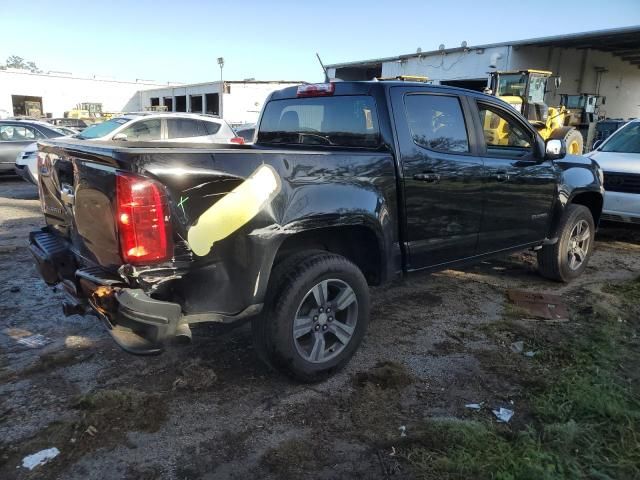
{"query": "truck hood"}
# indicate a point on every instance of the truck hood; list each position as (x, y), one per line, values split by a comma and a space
(617, 162)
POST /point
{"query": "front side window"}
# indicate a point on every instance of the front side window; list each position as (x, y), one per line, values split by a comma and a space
(627, 140)
(184, 128)
(436, 122)
(18, 133)
(502, 134)
(343, 121)
(143, 131)
(537, 88)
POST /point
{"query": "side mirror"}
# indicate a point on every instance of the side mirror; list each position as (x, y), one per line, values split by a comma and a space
(596, 144)
(555, 149)
(120, 136)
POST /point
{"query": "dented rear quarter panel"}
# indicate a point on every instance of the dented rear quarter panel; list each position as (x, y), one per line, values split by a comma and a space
(316, 189)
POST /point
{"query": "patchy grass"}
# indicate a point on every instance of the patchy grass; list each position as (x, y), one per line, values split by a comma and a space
(584, 414)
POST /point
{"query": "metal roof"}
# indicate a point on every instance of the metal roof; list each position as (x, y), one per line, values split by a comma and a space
(623, 42)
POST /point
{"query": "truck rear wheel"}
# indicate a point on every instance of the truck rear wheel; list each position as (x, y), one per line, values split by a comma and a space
(569, 256)
(314, 318)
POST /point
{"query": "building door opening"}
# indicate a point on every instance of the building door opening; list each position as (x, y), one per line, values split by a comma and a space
(155, 102)
(168, 102)
(213, 106)
(25, 106)
(181, 103)
(474, 84)
(196, 103)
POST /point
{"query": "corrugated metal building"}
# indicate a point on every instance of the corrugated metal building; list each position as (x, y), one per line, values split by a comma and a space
(604, 62)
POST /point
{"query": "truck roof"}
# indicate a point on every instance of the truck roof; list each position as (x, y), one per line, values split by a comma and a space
(367, 87)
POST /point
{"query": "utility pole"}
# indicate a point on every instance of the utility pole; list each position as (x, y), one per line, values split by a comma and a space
(221, 63)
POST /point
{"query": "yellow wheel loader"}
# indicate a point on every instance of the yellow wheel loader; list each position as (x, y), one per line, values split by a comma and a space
(524, 90)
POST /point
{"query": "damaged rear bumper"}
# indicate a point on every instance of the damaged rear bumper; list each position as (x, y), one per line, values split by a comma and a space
(140, 324)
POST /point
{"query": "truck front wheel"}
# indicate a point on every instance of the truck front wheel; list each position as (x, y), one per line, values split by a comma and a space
(568, 257)
(314, 318)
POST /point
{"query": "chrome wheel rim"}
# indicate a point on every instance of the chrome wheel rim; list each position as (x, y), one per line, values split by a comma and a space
(325, 321)
(579, 242)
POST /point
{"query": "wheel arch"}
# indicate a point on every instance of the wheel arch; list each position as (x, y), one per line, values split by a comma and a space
(592, 200)
(359, 243)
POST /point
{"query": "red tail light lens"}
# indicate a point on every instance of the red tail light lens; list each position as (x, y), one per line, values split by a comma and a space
(238, 140)
(141, 216)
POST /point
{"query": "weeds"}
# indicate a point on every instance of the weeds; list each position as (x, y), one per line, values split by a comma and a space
(585, 414)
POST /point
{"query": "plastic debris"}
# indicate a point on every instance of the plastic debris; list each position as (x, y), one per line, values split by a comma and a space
(517, 347)
(34, 341)
(40, 458)
(91, 430)
(474, 406)
(530, 354)
(503, 414)
(403, 430)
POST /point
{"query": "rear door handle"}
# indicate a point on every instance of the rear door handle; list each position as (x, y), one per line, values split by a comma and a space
(427, 177)
(501, 176)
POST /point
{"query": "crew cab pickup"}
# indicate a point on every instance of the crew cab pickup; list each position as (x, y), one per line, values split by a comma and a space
(348, 184)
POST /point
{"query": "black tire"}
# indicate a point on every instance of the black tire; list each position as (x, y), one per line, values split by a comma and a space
(292, 282)
(554, 260)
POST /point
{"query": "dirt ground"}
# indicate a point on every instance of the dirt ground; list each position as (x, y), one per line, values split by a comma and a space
(211, 410)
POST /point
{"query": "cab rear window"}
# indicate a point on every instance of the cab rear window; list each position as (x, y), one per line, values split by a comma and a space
(343, 121)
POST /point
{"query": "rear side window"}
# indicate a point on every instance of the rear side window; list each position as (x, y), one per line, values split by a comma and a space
(185, 128)
(344, 121)
(211, 127)
(145, 130)
(436, 122)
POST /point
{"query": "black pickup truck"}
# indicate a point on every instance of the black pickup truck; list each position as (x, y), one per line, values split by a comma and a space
(348, 184)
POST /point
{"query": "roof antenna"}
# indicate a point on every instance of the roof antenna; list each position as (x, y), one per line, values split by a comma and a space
(326, 75)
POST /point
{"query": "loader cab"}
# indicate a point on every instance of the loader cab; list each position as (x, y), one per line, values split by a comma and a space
(524, 90)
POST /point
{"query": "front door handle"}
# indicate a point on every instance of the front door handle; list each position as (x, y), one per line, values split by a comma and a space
(501, 176)
(427, 177)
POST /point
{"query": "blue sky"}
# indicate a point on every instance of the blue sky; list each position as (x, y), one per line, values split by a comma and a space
(272, 40)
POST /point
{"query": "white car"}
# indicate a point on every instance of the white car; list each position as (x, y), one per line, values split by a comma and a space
(162, 127)
(619, 158)
(27, 160)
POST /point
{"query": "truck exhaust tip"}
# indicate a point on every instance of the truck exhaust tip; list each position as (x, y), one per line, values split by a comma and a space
(183, 334)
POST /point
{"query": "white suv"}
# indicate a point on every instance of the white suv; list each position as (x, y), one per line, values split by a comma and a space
(619, 157)
(162, 127)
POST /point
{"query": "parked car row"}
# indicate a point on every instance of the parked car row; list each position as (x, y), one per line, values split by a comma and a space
(18, 137)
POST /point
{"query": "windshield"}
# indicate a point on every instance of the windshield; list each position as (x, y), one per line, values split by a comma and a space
(626, 140)
(512, 84)
(101, 129)
(345, 121)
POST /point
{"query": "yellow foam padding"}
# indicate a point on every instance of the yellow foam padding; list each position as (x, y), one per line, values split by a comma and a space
(234, 210)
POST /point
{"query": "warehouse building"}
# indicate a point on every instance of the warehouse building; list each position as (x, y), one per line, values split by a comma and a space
(241, 100)
(605, 62)
(54, 93)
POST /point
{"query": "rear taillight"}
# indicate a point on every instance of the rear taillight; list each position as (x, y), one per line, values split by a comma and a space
(238, 140)
(142, 218)
(316, 90)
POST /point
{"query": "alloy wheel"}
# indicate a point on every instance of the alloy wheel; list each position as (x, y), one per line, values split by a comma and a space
(325, 320)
